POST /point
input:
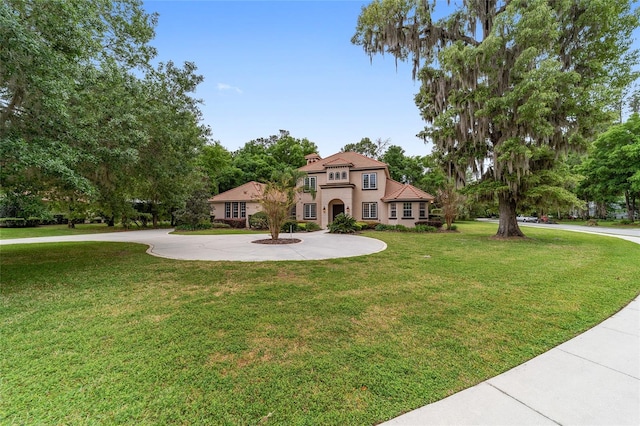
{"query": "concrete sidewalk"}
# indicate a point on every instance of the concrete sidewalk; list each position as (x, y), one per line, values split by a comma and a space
(593, 379)
(238, 247)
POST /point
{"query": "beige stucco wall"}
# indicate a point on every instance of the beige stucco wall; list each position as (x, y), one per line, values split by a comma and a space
(217, 209)
(351, 197)
(368, 195)
(408, 222)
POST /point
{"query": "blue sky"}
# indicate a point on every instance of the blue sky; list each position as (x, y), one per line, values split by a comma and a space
(271, 65)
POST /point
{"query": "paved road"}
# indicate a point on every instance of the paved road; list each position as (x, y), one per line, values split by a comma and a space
(314, 245)
(629, 234)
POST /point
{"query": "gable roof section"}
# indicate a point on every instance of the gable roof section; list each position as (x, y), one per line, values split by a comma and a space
(338, 162)
(250, 191)
(352, 159)
(396, 191)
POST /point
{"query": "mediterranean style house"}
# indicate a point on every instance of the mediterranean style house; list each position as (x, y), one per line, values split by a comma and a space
(346, 182)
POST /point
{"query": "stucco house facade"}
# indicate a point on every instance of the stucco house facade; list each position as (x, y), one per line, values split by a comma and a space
(351, 183)
(346, 182)
(237, 203)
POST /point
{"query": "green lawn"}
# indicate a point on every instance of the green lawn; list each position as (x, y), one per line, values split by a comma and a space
(58, 230)
(101, 333)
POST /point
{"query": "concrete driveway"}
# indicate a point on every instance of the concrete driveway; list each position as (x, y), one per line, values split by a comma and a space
(237, 247)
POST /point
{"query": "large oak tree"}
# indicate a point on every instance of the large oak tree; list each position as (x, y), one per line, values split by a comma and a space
(505, 83)
(83, 114)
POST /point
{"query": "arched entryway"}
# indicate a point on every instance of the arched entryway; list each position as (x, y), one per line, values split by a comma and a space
(336, 206)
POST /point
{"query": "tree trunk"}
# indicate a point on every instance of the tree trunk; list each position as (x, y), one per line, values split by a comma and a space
(508, 225)
(627, 199)
(155, 219)
(111, 221)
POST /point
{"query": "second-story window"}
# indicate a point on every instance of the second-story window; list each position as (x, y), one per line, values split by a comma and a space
(369, 181)
(309, 183)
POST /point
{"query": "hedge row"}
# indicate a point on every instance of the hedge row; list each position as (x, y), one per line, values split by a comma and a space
(19, 222)
(233, 223)
(402, 228)
(431, 222)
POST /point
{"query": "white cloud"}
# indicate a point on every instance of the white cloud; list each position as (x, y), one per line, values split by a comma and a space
(223, 86)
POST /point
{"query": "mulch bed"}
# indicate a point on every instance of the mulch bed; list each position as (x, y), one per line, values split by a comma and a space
(278, 241)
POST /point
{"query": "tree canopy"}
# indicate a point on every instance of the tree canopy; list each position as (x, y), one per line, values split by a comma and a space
(506, 83)
(263, 159)
(367, 147)
(612, 168)
(84, 116)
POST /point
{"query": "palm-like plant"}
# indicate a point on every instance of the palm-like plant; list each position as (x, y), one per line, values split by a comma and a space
(278, 197)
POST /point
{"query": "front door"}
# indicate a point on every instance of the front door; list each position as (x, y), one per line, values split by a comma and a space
(337, 209)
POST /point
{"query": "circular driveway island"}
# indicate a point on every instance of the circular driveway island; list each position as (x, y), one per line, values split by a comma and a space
(313, 246)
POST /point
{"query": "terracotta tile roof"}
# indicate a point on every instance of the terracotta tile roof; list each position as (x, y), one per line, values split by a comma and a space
(250, 191)
(396, 191)
(338, 162)
(353, 159)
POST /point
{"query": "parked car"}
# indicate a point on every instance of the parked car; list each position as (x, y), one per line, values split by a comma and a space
(531, 219)
(547, 219)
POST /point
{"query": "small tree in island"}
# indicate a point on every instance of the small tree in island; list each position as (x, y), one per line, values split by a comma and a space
(451, 201)
(279, 195)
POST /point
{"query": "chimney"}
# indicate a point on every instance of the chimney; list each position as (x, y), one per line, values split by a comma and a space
(312, 158)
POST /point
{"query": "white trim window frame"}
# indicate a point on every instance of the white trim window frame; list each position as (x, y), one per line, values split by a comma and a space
(235, 210)
(369, 181)
(422, 210)
(393, 211)
(310, 211)
(309, 183)
(407, 210)
(369, 210)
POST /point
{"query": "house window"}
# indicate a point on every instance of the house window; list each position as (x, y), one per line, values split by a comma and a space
(331, 176)
(369, 181)
(423, 210)
(344, 175)
(310, 211)
(407, 211)
(309, 183)
(369, 210)
(394, 212)
(235, 210)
